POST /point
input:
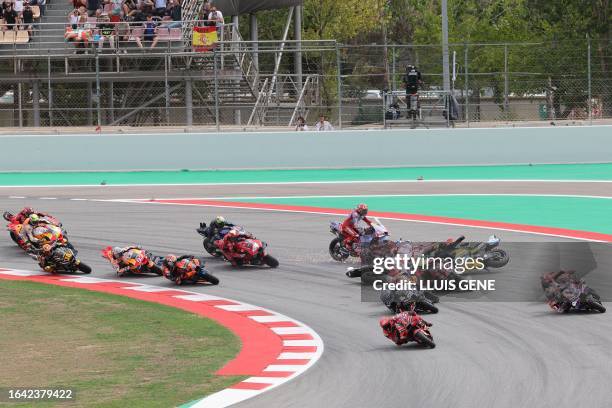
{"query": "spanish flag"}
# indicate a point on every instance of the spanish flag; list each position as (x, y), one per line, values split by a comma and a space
(204, 38)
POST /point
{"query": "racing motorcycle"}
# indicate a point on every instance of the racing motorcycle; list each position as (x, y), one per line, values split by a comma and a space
(48, 233)
(340, 252)
(417, 330)
(202, 276)
(250, 251)
(209, 238)
(61, 259)
(137, 260)
(489, 251)
(571, 294)
(14, 229)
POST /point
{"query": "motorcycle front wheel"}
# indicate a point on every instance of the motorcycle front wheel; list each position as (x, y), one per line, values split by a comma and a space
(271, 261)
(336, 252)
(84, 267)
(424, 340)
(593, 305)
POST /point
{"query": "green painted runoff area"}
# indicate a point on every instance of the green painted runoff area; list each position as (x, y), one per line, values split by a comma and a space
(518, 172)
(577, 213)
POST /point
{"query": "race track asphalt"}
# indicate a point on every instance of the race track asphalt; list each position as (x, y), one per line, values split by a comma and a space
(489, 354)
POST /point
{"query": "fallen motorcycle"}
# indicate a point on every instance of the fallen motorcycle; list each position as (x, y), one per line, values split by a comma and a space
(565, 292)
(489, 251)
(136, 261)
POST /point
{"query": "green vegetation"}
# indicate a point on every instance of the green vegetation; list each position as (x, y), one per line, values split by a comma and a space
(114, 351)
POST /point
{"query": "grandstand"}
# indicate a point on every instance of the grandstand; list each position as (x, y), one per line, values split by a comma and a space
(104, 64)
(68, 72)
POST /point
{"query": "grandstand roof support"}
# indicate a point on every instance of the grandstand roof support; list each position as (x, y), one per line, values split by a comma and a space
(297, 26)
(254, 37)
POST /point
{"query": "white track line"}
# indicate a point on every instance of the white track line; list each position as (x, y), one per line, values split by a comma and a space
(240, 198)
(458, 224)
(274, 183)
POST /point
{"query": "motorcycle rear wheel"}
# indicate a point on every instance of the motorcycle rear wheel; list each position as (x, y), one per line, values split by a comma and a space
(271, 261)
(211, 249)
(596, 306)
(156, 270)
(424, 340)
(427, 306)
(499, 259)
(335, 251)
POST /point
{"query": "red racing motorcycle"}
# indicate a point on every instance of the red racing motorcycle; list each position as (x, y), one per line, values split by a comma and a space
(405, 327)
(14, 228)
(249, 251)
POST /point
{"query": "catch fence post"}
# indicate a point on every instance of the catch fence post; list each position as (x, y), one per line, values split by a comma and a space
(467, 96)
(339, 79)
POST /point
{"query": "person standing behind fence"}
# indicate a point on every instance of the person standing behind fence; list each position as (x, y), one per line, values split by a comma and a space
(215, 18)
(301, 125)
(323, 125)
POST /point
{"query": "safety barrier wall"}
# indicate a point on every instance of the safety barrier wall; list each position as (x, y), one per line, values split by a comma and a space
(426, 147)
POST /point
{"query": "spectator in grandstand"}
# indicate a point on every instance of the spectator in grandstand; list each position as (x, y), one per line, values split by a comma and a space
(18, 7)
(115, 16)
(77, 4)
(160, 7)
(204, 12)
(92, 7)
(28, 19)
(150, 32)
(301, 125)
(174, 12)
(42, 6)
(11, 17)
(123, 34)
(147, 7)
(323, 125)
(215, 17)
(107, 32)
(130, 7)
(73, 19)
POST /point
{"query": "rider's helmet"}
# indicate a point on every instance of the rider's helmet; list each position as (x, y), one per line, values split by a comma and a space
(219, 221)
(362, 209)
(117, 252)
(169, 261)
(34, 218)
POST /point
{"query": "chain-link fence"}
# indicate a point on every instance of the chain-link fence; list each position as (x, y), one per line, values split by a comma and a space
(270, 83)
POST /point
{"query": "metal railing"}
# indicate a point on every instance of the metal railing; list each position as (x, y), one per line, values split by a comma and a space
(492, 83)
